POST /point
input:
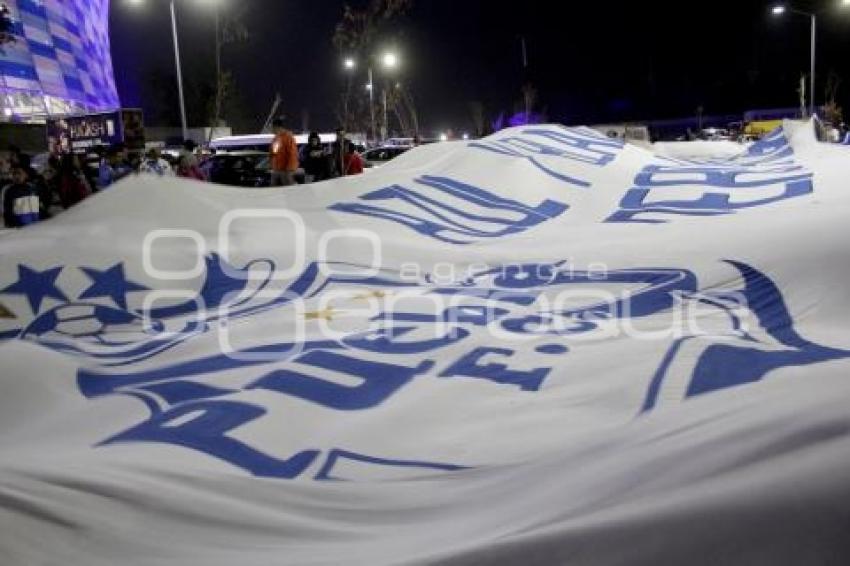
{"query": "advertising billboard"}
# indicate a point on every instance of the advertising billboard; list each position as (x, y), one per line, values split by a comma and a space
(74, 134)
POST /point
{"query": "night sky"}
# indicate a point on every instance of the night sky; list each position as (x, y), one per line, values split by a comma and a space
(590, 61)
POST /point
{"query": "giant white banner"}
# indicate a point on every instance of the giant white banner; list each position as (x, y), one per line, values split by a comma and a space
(544, 347)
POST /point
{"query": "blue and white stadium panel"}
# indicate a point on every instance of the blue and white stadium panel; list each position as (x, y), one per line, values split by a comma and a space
(60, 61)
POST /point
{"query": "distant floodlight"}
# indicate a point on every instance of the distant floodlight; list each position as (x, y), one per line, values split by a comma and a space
(444, 137)
(390, 60)
(465, 136)
(779, 9)
(368, 86)
(350, 63)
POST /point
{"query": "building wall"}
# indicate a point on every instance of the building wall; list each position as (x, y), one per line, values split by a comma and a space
(60, 62)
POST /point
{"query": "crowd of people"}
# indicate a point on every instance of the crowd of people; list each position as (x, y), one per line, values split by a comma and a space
(28, 196)
(318, 162)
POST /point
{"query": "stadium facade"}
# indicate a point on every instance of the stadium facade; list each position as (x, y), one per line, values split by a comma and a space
(60, 61)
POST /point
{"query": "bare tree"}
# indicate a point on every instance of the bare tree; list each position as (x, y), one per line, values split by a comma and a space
(229, 29)
(357, 34)
(403, 106)
(359, 28)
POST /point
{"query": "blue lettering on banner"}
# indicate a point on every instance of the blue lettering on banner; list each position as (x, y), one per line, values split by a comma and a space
(199, 402)
(471, 366)
(336, 456)
(572, 145)
(772, 147)
(379, 381)
(203, 426)
(479, 214)
(764, 174)
(719, 185)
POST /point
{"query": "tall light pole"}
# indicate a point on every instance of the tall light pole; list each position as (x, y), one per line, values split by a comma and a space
(179, 67)
(371, 87)
(780, 10)
(219, 86)
(389, 61)
(183, 120)
(350, 64)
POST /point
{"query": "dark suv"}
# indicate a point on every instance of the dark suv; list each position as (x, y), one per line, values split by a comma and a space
(238, 169)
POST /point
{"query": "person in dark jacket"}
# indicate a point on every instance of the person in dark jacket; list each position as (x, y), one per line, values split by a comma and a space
(113, 168)
(315, 160)
(45, 195)
(338, 154)
(71, 184)
(21, 201)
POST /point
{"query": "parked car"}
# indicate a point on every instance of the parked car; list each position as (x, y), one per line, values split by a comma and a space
(238, 169)
(383, 155)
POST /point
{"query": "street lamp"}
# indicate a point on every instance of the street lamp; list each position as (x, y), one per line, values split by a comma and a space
(177, 64)
(780, 10)
(184, 123)
(389, 61)
(350, 64)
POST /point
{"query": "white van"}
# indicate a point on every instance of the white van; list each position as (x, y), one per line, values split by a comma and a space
(262, 142)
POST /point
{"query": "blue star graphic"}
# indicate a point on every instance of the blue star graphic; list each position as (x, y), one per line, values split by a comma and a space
(111, 283)
(36, 285)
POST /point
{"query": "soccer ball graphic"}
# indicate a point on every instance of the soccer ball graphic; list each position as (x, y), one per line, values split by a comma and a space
(99, 323)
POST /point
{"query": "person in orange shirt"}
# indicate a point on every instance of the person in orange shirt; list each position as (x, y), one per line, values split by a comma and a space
(284, 156)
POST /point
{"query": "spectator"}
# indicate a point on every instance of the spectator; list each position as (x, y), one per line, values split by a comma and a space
(338, 154)
(190, 152)
(315, 160)
(14, 154)
(90, 170)
(44, 193)
(72, 185)
(112, 169)
(5, 171)
(51, 175)
(21, 200)
(188, 168)
(353, 162)
(284, 156)
(154, 164)
(188, 163)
